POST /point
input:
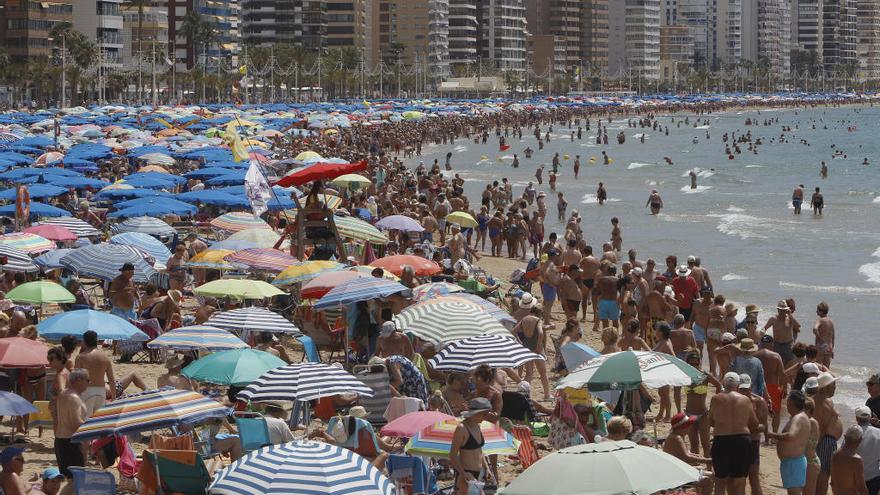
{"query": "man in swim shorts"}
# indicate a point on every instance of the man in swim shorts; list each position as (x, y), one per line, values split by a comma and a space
(733, 421)
(609, 310)
(774, 377)
(549, 281)
(797, 198)
(792, 444)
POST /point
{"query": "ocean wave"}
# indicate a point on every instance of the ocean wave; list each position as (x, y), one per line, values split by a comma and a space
(699, 189)
(834, 289)
(591, 199)
(700, 173)
(701, 127)
(877, 200)
(460, 148)
(871, 271)
(735, 209)
(744, 226)
(635, 165)
(729, 277)
(754, 166)
(861, 193)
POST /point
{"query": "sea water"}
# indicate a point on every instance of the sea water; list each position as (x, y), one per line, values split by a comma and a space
(739, 220)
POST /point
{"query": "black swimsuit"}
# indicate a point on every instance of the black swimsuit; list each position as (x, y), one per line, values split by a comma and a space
(473, 444)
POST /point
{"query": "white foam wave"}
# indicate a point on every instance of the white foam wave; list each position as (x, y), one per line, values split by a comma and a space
(729, 277)
(754, 166)
(701, 127)
(735, 209)
(460, 148)
(699, 189)
(835, 289)
(744, 226)
(700, 172)
(877, 200)
(639, 136)
(591, 199)
(635, 165)
(871, 271)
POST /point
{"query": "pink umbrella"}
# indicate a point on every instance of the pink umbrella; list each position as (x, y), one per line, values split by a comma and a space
(52, 232)
(19, 352)
(409, 424)
(320, 285)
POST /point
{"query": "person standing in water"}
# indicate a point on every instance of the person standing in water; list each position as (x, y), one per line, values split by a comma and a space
(655, 202)
(797, 198)
(601, 194)
(693, 176)
(823, 171)
(817, 202)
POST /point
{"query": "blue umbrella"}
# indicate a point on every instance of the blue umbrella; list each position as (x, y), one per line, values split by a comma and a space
(575, 354)
(127, 193)
(149, 183)
(156, 208)
(230, 179)
(19, 173)
(37, 210)
(16, 158)
(154, 200)
(14, 405)
(78, 163)
(213, 197)
(36, 191)
(175, 179)
(51, 260)
(207, 173)
(359, 289)
(144, 242)
(76, 182)
(76, 323)
(228, 164)
(104, 260)
(145, 225)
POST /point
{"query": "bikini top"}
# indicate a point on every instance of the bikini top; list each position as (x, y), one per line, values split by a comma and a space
(701, 389)
(472, 443)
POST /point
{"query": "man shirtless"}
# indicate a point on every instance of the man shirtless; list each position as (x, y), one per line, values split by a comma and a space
(609, 309)
(783, 331)
(675, 446)
(590, 270)
(792, 444)
(608, 253)
(392, 342)
(570, 292)
(631, 339)
(457, 244)
(440, 211)
(732, 419)
(571, 255)
(659, 303)
(847, 469)
(429, 223)
(700, 317)
(655, 202)
(682, 339)
(774, 377)
(700, 274)
(762, 414)
(823, 329)
(797, 198)
(631, 255)
(99, 366)
(830, 429)
(122, 293)
(12, 462)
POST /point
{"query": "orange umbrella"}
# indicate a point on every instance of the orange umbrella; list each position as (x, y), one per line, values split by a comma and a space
(394, 264)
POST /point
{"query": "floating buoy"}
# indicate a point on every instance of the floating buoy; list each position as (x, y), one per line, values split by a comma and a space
(565, 157)
(499, 159)
(484, 157)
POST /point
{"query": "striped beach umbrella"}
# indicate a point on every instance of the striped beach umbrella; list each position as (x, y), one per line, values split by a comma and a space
(492, 350)
(441, 321)
(303, 381)
(237, 220)
(80, 228)
(237, 367)
(147, 411)
(264, 259)
(304, 271)
(52, 232)
(330, 201)
(144, 225)
(359, 289)
(211, 258)
(323, 283)
(197, 338)
(144, 242)
(301, 467)
(436, 440)
(103, 261)
(253, 319)
(627, 370)
(488, 306)
(264, 238)
(238, 289)
(358, 229)
(50, 260)
(29, 243)
(368, 270)
(394, 264)
(17, 260)
(434, 289)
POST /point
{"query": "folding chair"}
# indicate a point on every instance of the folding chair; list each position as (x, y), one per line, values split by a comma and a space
(375, 377)
(253, 433)
(175, 471)
(88, 481)
(310, 350)
(42, 418)
(528, 451)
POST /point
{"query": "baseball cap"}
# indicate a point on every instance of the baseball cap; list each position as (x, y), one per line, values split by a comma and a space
(811, 383)
(811, 368)
(10, 453)
(863, 412)
(745, 381)
(52, 473)
(731, 379)
(387, 328)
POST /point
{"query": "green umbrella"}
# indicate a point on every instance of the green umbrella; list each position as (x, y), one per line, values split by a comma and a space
(627, 370)
(237, 367)
(40, 292)
(238, 289)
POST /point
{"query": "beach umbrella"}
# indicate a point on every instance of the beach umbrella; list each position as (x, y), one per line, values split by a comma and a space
(626, 370)
(52, 232)
(147, 411)
(144, 242)
(399, 222)
(262, 237)
(394, 264)
(76, 182)
(35, 191)
(103, 261)
(358, 229)
(51, 260)
(368, 270)
(304, 271)
(151, 207)
(604, 468)
(40, 292)
(19, 352)
(323, 283)
(149, 182)
(575, 354)
(410, 424)
(158, 159)
(12, 404)
(462, 218)
(412, 115)
(488, 306)
(124, 191)
(29, 243)
(206, 173)
(238, 289)
(321, 171)
(265, 259)
(211, 258)
(303, 382)
(441, 321)
(434, 289)
(144, 225)
(197, 338)
(330, 201)
(37, 210)
(17, 260)
(436, 440)
(359, 289)
(213, 197)
(79, 227)
(236, 221)
(253, 319)
(153, 168)
(352, 181)
(76, 323)
(238, 367)
(494, 350)
(302, 467)
(308, 155)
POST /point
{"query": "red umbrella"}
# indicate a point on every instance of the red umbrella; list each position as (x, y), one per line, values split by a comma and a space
(319, 171)
(394, 264)
(19, 352)
(320, 285)
(52, 232)
(408, 425)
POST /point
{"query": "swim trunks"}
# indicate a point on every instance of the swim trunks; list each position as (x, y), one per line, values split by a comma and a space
(655, 206)
(574, 305)
(714, 334)
(731, 455)
(794, 472)
(699, 334)
(588, 283)
(548, 292)
(686, 312)
(756, 452)
(796, 202)
(775, 392)
(94, 398)
(608, 310)
(784, 351)
(825, 450)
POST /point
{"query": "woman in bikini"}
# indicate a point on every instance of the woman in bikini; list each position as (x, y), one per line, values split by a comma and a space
(531, 335)
(664, 345)
(570, 334)
(695, 405)
(487, 388)
(715, 329)
(813, 465)
(466, 454)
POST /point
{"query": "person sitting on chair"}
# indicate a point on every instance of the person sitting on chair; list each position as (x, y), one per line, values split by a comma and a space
(356, 434)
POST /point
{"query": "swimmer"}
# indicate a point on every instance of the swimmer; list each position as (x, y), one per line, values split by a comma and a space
(655, 202)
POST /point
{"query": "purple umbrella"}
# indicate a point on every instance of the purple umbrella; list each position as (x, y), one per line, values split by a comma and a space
(14, 405)
(399, 222)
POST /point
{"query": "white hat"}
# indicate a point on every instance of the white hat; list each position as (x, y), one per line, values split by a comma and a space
(692, 259)
(727, 338)
(863, 412)
(812, 383)
(387, 329)
(683, 271)
(782, 305)
(826, 379)
(745, 381)
(637, 271)
(731, 379)
(527, 301)
(811, 368)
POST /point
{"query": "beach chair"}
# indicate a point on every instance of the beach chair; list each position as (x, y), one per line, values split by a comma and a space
(174, 471)
(310, 350)
(88, 481)
(410, 474)
(528, 451)
(376, 377)
(253, 433)
(515, 407)
(179, 442)
(42, 418)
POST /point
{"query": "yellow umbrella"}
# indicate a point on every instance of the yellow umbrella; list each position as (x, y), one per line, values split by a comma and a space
(304, 271)
(252, 142)
(332, 202)
(307, 155)
(331, 131)
(462, 218)
(238, 288)
(349, 180)
(211, 258)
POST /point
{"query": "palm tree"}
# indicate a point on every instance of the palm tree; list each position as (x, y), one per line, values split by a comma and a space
(84, 53)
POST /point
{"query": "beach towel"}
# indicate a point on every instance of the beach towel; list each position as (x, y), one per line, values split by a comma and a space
(528, 451)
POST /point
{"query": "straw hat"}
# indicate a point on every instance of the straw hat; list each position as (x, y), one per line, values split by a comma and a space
(752, 309)
(358, 412)
(747, 345)
(730, 309)
(782, 305)
(826, 379)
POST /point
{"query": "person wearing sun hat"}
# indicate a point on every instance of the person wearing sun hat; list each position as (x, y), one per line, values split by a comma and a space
(783, 325)
(830, 427)
(745, 362)
(675, 446)
(466, 453)
(172, 377)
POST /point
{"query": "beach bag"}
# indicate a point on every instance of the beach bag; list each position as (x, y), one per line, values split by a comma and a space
(561, 433)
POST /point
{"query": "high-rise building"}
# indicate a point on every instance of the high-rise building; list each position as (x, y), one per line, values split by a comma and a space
(463, 35)
(839, 35)
(144, 37)
(579, 27)
(565, 26)
(806, 26)
(346, 24)
(101, 22)
(502, 35)
(767, 34)
(25, 26)
(224, 47)
(438, 39)
(728, 32)
(634, 39)
(699, 17)
(676, 51)
(594, 43)
(869, 39)
(294, 22)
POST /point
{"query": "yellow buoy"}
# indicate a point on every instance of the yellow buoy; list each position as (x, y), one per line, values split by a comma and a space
(484, 157)
(499, 159)
(565, 157)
